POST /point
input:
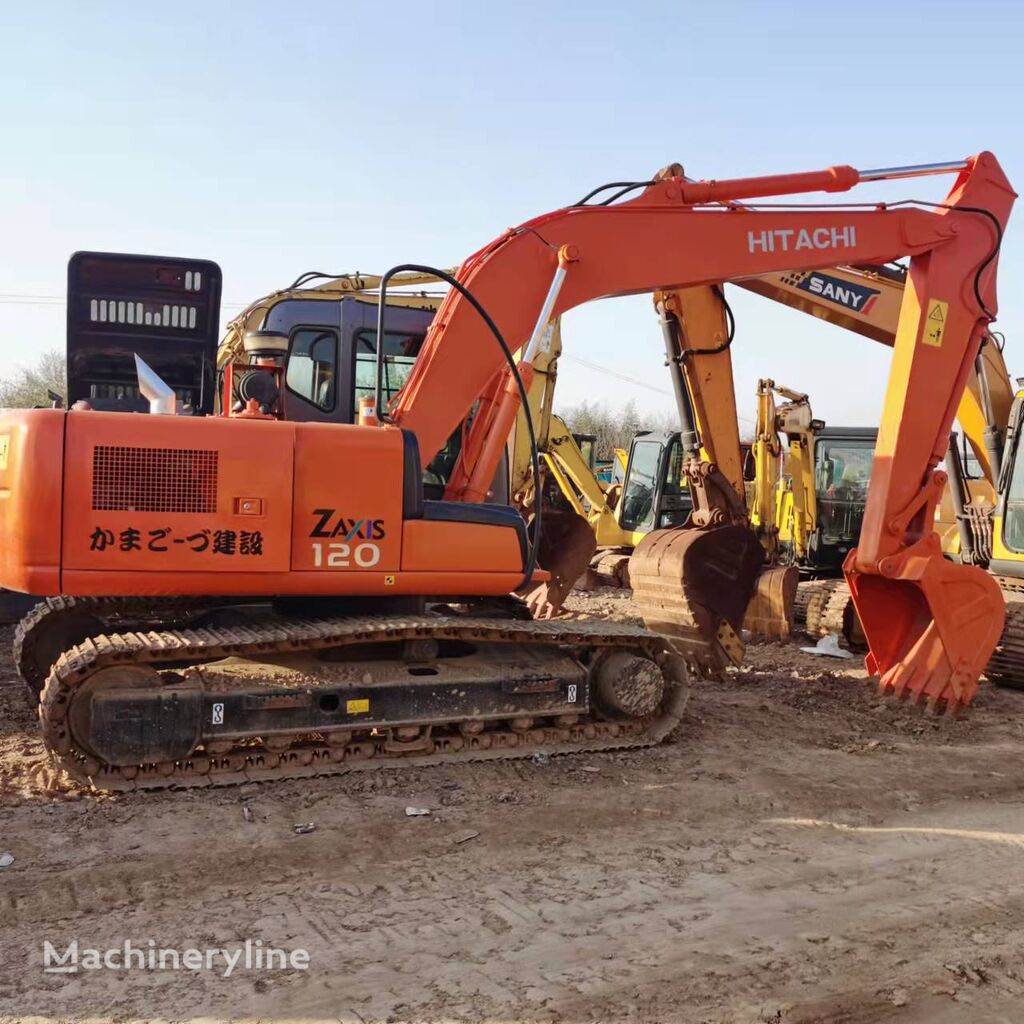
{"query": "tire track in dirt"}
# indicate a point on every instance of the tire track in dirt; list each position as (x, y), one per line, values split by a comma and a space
(661, 886)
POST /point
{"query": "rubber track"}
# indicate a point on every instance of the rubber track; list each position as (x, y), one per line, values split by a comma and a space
(1006, 666)
(113, 612)
(820, 605)
(306, 757)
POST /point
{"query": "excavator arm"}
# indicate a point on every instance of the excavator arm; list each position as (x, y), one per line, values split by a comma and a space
(940, 621)
(701, 368)
(793, 420)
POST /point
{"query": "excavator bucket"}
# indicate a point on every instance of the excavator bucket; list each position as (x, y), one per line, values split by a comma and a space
(695, 584)
(931, 624)
(567, 545)
(771, 609)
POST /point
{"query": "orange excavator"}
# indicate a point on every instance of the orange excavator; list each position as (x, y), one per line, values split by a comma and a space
(368, 624)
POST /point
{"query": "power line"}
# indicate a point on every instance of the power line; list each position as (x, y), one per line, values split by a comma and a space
(615, 373)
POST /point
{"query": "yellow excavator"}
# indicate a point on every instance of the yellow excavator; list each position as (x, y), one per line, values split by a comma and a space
(657, 495)
(988, 523)
(807, 501)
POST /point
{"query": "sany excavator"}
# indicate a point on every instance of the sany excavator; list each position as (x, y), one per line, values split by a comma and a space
(391, 634)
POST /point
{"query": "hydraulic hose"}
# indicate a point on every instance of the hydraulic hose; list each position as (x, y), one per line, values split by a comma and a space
(383, 415)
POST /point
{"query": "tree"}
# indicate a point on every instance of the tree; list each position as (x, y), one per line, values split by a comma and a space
(29, 386)
(615, 429)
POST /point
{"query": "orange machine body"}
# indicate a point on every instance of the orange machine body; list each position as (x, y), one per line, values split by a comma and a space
(234, 506)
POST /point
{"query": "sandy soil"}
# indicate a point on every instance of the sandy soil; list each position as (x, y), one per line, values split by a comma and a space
(800, 851)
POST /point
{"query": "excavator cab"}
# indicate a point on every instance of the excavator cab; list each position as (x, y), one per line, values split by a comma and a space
(327, 355)
(831, 511)
(655, 492)
(587, 444)
(843, 459)
(324, 357)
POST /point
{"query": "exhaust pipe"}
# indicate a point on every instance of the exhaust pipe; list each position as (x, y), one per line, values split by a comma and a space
(161, 397)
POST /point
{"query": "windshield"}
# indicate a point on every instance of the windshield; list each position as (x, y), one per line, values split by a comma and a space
(1013, 516)
(399, 356)
(842, 472)
(638, 499)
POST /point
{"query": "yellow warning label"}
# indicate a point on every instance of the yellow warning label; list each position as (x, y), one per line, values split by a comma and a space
(935, 322)
(358, 707)
(389, 581)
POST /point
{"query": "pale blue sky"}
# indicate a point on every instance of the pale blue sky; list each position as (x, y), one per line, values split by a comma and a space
(277, 138)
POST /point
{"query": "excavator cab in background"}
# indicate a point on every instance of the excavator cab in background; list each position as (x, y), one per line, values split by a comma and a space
(655, 492)
(842, 469)
(587, 444)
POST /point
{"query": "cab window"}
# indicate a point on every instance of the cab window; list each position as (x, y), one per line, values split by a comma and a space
(399, 356)
(1013, 516)
(676, 483)
(313, 366)
(675, 503)
(588, 449)
(842, 474)
(641, 483)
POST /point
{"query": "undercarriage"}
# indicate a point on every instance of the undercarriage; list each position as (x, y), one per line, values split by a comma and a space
(272, 696)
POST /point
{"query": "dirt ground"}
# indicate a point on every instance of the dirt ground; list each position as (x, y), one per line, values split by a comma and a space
(800, 850)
